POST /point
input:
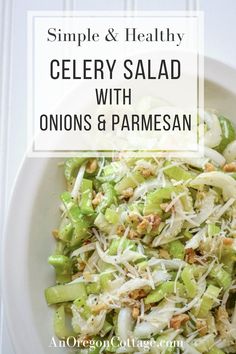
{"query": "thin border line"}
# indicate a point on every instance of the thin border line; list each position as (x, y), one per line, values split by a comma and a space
(5, 88)
(34, 15)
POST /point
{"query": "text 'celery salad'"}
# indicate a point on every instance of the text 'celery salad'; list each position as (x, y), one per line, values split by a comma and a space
(146, 249)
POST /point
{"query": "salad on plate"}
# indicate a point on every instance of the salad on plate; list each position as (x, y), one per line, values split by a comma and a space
(146, 251)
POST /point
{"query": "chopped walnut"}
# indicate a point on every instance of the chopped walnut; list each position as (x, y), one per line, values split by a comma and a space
(143, 227)
(80, 266)
(154, 220)
(127, 193)
(164, 254)
(149, 223)
(98, 308)
(228, 241)
(55, 233)
(222, 314)
(222, 322)
(230, 167)
(190, 256)
(86, 242)
(134, 218)
(120, 230)
(146, 172)
(137, 294)
(91, 166)
(209, 167)
(97, 200)
(201, 325)
(135, 312)
(177, 321)
(132, 234)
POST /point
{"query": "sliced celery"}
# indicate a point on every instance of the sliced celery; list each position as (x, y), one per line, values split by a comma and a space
(86, 191)
(209, 298)
(93, 288)
(71, 167)
(109, 197)
(228, 133)
(154, 199)
(204, 344)
(102, 224)
(129, 181)
(213, 230)
(63, 267)
(80, 223)
(189, 281)
(163, 290)
(63, 293)
(60, 327)
(176, 249)
(222, 277)
(178, 173)
(122, 244)
(112, 216)
(215, 350)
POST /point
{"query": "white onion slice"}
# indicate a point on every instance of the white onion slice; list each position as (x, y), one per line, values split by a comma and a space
(213, 136)
(133, 284)
(126, 256)
(217, 179)
(215, 156)
(78, 181)
(167, 263)
(206, 209)
(194, 242)
(124, 323)
(83, 249)
(230, 152)
(145, 187)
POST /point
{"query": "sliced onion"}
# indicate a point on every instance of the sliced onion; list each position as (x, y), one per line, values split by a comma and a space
(191, 304)
(217, 179)
(133, 284)
(145, 330)
(145, 187)
(124, 323)
(230, 152)
(91, 263)
(213, 136)
(195, 162)
(168, 263)
(78, 181)
(92, 326)
(215, 156)
(126, 256)
(194, 242)
(83, 249)
(155, 321)
(171, 230)
(188, 349)
(160, 276)
(206, 209)
(224, 208)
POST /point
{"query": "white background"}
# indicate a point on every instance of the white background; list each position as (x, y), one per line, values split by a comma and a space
(220, 29)
(48, 96)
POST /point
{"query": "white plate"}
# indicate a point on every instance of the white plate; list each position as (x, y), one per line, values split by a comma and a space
(33, 213)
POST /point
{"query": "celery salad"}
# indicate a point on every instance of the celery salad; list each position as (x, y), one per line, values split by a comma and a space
(146, 251)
